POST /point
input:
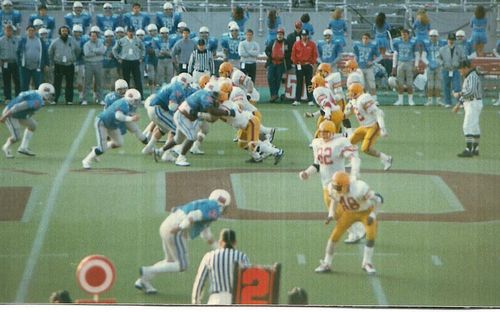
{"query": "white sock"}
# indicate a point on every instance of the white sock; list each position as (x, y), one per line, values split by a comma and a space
(383, 156)
(26, 139)
(8, 143)
(196, 145)
(267, 148)
(400, 98)
(151, 144)
(410, 97)
(149, 272)
(330, 246)
(91, 156)
(368, 254)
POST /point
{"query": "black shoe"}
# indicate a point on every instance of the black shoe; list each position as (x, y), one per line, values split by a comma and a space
(475, 152)
(465, 153)
(279, 155)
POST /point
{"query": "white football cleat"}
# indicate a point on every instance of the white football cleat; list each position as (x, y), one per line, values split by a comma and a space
(310, 103)
(398, 103)
(177, 149)
(145, 286)
(323, 267)
(428, 103)
(86, 164)
(195, 150)
(368, 268)
(157, 152)
(182, 161)
(146, 150)
(295, 103)
(25, 151)
(84, 102)
(167, 157)
(7, 151)
(387, 163)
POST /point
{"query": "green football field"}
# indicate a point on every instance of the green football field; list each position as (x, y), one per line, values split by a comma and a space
(437, 241)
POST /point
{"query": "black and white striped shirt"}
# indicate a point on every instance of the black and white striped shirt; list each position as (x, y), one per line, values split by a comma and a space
(472, 88)
(201, 61)
(218, 265)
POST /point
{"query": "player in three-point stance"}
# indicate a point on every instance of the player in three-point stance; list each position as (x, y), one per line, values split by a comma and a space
(359, 203)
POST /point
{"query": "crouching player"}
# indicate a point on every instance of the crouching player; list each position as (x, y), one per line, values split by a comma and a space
(359, 203)
(108, 123)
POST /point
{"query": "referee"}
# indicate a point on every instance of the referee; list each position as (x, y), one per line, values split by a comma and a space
(218, 266)
(201, 61)
(471, 97)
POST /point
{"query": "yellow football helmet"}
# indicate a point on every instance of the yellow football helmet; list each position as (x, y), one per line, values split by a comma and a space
(223, 96)
(318, 81)
(226, 86)
(341, 182)
(355, 90)
(203, 80)
(225, 69)
(324, 69)
(327, 129)
(351, 65)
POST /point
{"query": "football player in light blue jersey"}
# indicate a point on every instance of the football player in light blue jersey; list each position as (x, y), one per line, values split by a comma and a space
(367, 54)
(136, 19)
(230, 46)
(431, 60)
(150, 58)
(187, 121)
(404, 64)
(18, 113)
(463, 43)
(78, 17)
(161, 107)
(211, 42)
(10, 16)
(107, 124)
(48, 21)
(329, 50)
(168, 18)
(184, 222)
(108, 20)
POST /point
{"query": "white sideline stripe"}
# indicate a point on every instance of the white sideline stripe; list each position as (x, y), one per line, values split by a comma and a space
(301, 259)
(378, 291)
(239, 191)
(436, 260)
(22, 291)
(448, 193)
(386, 254)
(30, 206)
(302, 125)
(161, 190)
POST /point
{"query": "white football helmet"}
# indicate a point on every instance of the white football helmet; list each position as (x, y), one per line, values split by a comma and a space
(185, 78)
(121, 86)
(164, 30)
(420, 82)
(237, 76)
(182, 25)
(221, 196)
(77, 4)
(392, 82)
(119, 29)
(460, 33)
(95, 29)
(108, 33)
(168, 6)
(47, 91)
(133, 97)
(434, 32)
(37, 22)
(42, 31)
(203, 29)
(152, 27)
(140, 32)
(77, 28)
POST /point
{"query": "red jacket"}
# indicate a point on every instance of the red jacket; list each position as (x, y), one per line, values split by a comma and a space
(304, 53)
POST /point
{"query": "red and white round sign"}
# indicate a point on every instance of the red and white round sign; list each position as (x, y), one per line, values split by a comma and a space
(95, 274)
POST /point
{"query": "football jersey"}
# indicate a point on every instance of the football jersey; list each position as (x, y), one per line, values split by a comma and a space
(108, 116)
(168, 21)
(241, 118)
(239, 96)
(231, 45)
(406, 50)
(365, 53)
(137, 21)
(331, 156)
(171, 92)
(325, 99)
(71, 19)
(358, 198)
(432, 50)
(210, 211)
(355, 77)
(198, 102)
(34, 100)
(110, 98)
(365, 109)
(107, 22)
(328, 51)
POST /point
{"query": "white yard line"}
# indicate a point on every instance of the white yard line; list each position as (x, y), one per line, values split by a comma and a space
(378, 291)
(43, 227)
(239, 191)
(302, 125)
(386, 254)
(451, 198)
(30, 206)
(301, 259)
(436, 260)
(161, 190)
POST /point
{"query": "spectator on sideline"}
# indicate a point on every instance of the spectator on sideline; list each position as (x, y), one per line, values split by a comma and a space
(129, 51)
(404, 64)
(230, 46)
(49, 70)
(78, 17)
(107, 20)
(450, 57)
(297, 296)
(109, 63)
(168, 18)
(32, 59)
(240, 16)
(329, 51)
(165, 68)
(63, 53)
(291, 38)
(8, 63)
(276, 63)
(49, 22)
(201, 62)
(218, 266)
(273, 24)
(304, 57)
(367, 55)
(93, 51)
(478, 24)
(10, 16)
(136, 19)
(338, 26)
(182, 50)
(249, 51)
(79, 79)
(433, 67)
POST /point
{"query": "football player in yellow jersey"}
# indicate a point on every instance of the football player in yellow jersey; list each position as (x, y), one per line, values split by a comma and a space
(371, 123)
(359, 203)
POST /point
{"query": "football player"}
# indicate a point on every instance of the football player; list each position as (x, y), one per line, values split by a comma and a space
(371, 123)
(330, 153)
(359, 203)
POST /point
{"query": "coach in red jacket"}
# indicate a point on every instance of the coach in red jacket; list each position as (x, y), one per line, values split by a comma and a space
(304, 56)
